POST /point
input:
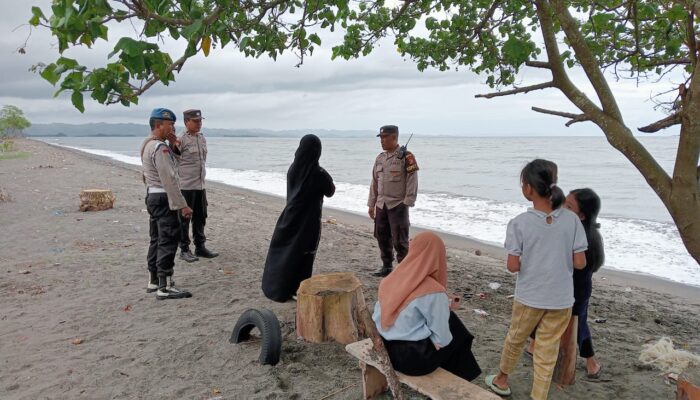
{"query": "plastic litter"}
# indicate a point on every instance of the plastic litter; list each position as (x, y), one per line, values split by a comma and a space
(600, 320)
(480, 312)
(494, 285)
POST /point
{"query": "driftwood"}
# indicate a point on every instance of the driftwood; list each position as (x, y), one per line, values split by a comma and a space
(96, 199)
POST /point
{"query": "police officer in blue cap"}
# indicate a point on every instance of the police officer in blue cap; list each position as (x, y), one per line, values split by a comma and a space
(165, 205)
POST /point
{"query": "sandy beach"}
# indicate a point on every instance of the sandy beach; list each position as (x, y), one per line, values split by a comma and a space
(76, 322)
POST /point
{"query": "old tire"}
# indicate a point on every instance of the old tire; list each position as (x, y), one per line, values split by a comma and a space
(268, 325)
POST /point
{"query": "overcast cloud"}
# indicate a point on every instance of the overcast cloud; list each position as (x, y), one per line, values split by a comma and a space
(235, 92)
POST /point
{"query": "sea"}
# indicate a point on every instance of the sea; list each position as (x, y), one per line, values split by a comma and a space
(468, 186)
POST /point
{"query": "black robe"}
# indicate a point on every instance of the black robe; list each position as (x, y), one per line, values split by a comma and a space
(294, 242)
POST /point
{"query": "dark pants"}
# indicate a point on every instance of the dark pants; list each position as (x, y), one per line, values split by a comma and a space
(585, 344)
(421, 357)
(391, 230)
(197, 201)
(164, 229)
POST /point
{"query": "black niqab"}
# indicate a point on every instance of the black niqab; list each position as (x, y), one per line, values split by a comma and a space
(298, 229)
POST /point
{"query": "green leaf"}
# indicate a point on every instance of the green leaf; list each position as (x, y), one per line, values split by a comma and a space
(189, 31)
(37, 16)
(516, 51)
(77, 99)
(315, 39)
(49, 73)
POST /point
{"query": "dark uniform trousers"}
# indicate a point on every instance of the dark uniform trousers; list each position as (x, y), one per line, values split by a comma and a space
(391, 230)
(197, 201)
(164, 229)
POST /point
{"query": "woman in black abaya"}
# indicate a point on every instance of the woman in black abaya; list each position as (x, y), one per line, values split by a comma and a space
(294, 242)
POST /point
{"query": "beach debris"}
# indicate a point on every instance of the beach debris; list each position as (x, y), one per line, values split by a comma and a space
(96, 199)
(57, 213)
(628, 289)
(126, 308)
(510, 296)
(665, 357)
(600, 320)
(483, 296)
(77, 341)
(24, 272)
(216, 391)
(269, 326)
(494, 285)
(331, 221)
(477, 252)
(670, 378)
(480, 312)
(4, 196)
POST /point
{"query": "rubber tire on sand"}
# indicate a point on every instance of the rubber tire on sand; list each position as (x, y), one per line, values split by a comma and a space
(269, 326)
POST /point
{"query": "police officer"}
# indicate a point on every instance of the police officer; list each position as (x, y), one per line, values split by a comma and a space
(165, 204)
(191, 167)
(393, 189)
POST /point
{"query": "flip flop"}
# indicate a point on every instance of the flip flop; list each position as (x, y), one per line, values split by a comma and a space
(595, 375)
(501, 392)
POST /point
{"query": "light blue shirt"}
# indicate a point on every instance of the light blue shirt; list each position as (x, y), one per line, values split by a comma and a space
(425, 316)
(546, 252)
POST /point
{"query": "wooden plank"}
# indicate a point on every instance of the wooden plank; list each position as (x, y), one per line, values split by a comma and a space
(439, 385)
(373, 382)
(688, 385)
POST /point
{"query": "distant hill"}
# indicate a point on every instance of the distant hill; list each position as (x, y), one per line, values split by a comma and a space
(104, 129)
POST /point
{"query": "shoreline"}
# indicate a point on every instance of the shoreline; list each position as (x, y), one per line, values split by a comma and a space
(77, 321)
(619, 278)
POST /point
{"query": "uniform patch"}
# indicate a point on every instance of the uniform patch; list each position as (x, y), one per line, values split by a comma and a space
(411, 164)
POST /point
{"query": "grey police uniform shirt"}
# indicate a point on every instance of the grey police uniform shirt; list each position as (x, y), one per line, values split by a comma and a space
(192, 161)
(391, 183)
(545, 279)
(160, 171)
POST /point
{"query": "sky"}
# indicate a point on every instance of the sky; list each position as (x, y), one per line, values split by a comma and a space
(234, 92)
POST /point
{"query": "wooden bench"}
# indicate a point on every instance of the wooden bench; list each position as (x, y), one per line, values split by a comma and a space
(439, 385)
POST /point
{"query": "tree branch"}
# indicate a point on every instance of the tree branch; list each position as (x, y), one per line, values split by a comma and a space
(673, 119)
(587, 60)
(538, 64)
(574, 117)
(523, 89)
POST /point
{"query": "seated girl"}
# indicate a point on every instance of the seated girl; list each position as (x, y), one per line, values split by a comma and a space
(413, 314)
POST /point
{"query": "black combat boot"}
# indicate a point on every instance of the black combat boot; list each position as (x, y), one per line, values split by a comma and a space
(152, 282)
(202, 251)
(186, 254)
(168, 290)
(384, 271)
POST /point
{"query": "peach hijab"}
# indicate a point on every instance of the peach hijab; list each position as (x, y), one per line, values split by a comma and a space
(423, 271)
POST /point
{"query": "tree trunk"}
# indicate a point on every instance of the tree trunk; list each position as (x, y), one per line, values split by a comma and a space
(328, 308)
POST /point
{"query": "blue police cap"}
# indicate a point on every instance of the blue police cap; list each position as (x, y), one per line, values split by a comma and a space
(163, 114)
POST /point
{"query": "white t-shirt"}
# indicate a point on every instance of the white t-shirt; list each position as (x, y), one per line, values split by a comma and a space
(546, 256)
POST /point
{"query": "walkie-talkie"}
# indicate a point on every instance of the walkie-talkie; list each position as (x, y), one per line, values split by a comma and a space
(402, 149)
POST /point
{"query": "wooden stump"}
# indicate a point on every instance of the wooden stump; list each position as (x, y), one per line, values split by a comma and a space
(565, 369)
(328, 308)
(96, 199)
(688, 384)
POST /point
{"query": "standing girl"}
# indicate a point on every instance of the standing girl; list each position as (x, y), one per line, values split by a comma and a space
(544, 245)
(586, 204)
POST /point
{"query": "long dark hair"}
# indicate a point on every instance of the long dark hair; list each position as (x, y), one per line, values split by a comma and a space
(589, 205)
(541, 175)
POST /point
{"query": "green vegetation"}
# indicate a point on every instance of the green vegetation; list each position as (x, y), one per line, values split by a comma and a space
(12, 121)
(644, 40)
(15, 155)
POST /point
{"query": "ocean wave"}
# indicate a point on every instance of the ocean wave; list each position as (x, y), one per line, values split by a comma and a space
(634, 245)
